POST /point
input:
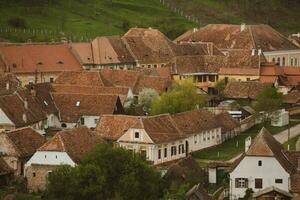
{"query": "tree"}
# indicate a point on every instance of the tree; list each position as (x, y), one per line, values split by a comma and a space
(182, 97)
(146, 98)
(268, 101)
(106, 173)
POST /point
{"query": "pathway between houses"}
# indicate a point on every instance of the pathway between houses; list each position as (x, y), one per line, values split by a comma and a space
(281, 137)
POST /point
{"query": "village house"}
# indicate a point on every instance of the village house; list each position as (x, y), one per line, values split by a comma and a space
(156, 138)
(284, 79)
(37, 63)
(292, 99)
(104, 52)
(21, 109)
(67, 147)
(85, 109)
(200, 128)
(262, 39)
(229, 126)
(17, 146)
(265, 164)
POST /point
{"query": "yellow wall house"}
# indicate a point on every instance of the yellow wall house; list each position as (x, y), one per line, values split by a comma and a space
(37, 63)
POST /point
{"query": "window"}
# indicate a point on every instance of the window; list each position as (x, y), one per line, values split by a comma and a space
(259, 163)
(195, 139)
(77, 103)
(143, 154)
(136, 135)
(82, 120)
(63, 125)
(283, 61)
(173, 151)
(273, 60)
(278, 61)
(33, 174)
(296, 62)
(258, 183)
(165, 152)
(208, 136)
(51, 79)
(204, 136)
(248, 79)
(162, 65)
(149, 66)
(155, 66)
(159, 153)
(179, 149)
(278, 181)
(96, 121)
(241, 183)
(292, 61)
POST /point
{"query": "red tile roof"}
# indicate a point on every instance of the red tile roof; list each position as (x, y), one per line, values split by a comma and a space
(83, 78)
(226, 122)
(76, 142)
(25, 140)
(241, 90)
(31, 58)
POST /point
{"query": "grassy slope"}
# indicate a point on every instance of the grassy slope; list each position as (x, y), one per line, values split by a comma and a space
(93, 17)
(282, 15)
(86, 19)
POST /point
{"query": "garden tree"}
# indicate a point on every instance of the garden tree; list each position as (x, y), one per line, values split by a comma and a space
(146, 98)
(181, 97)
(107, 172)
(268, 101)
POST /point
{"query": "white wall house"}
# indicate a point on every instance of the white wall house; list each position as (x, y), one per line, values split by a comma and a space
(263, 165)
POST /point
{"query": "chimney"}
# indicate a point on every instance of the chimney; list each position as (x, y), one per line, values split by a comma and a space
(24, 117)
(7, 85)
(253, 52)
(259, 52)
(25, 103)
(247, 143)
(194, 30)
(243, 27)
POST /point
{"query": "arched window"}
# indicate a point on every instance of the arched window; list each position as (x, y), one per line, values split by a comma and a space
(292, 61)
(283, 61)
(278, 60)
(296, 62)
(273, 60)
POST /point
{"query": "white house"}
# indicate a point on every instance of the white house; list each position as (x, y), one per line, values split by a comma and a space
(67, 147)
(156, 138)
(264, 164)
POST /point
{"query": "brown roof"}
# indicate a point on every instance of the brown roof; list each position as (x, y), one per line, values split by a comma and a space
(83, 51)
(241, 90)
(13, 106)
(228, 36)
(24, 58)
(4, 167)
(120, 78)
(160, 128)
(25, 140)
(266, 145)
(289, 76)
(149, 45)
(157, 83)
(196, 64)
(83, 78)
(72, 106)
(8, 83)
(226, 122)
(292, 97)
(199, 48)
(41, 92)
(76, 142)
(195, 121)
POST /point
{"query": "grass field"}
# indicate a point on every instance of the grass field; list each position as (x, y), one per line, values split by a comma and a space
(82, 20)
(233, 147)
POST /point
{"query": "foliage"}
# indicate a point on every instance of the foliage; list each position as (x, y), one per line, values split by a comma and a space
(220, 86)
(146, 98)
(106, 173)
(268, 101)
(17, 22)
(181, 97)
(248, 194)
(177, 192)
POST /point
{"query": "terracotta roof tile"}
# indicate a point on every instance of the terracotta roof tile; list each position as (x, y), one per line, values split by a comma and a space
(226, 122)
(292, 97)
(84, 78)
(76, 142)
(22, 58)
(83, 51)
(8, 83)
(25, 140)
(241, 90)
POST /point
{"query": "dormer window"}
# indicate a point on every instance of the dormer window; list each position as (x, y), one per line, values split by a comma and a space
(136, 135)
(39, 63)
(60, 62)
(77, 103)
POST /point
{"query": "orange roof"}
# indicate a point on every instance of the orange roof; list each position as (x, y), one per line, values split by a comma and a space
(29, 58)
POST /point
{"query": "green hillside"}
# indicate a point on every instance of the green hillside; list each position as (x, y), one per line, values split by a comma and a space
(45, 19)
(82, 20)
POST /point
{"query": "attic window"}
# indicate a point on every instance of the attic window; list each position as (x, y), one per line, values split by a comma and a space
(89, 58)
(60, 62)
(77, 103)
(46, 104)
(39, 63)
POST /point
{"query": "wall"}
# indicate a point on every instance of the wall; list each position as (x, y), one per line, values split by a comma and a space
(204, 139)
(89, 121)
(26, 78)
(238, 77)
(36, 176)
(248, 168)
(53, 121)
(50, 158)
(288, 55)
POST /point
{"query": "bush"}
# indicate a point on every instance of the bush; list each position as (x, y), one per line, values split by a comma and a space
(17, 22)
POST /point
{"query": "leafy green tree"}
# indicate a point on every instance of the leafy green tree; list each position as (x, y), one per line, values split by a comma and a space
(268, 101)
(146, 98)
(182, 97)
(106, 173)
